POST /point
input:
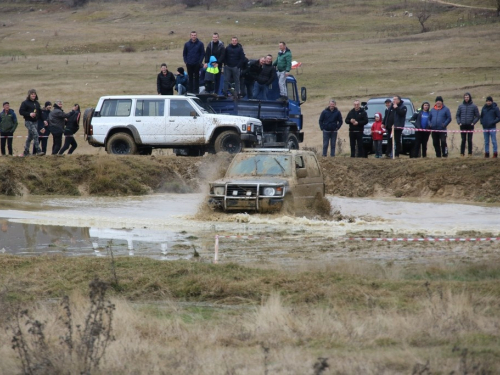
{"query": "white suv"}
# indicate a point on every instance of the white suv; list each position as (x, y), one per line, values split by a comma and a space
(137, 124)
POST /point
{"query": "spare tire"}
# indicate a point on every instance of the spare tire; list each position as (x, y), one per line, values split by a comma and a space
(87, 118)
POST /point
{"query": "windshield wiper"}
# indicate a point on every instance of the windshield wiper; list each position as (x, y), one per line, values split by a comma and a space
(277, 162)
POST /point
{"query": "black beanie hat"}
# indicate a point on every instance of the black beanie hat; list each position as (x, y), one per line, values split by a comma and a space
(180, 70)
(439, 99)
(489, 99)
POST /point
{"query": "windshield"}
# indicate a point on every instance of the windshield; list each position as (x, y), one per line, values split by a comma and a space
(260, 165)
(380, 107)
(205, 108)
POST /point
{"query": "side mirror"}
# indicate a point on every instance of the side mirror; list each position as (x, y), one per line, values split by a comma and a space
(193, 113)
(303, 94)
(365, 107)
(301, 173)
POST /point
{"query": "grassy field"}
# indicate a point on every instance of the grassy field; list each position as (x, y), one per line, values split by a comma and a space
(200, 318)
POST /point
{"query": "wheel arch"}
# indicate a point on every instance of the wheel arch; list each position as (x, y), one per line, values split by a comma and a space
(129, 129)
(222, 129)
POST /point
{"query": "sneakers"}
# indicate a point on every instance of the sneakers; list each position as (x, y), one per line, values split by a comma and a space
(40, 153)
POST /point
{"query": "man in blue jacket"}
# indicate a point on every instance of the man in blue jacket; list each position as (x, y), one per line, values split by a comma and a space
(330, 122)
(439, 118)
(490, 116)
(233, 60)
(193, 54)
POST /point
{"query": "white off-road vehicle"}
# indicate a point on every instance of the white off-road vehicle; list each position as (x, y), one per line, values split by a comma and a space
(137, 124)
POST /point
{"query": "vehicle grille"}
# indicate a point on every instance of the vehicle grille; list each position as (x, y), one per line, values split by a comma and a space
(241, 190)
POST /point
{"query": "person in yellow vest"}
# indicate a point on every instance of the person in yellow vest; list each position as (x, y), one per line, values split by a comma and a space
(211, 72)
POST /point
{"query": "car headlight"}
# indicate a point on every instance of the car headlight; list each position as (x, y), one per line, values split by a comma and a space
(367, 131)
(269, 191)
(219, 190)
(408, 131)
(272, 191)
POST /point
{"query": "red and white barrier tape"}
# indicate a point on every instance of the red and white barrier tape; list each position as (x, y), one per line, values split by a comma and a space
(426, 239)
(452, 131)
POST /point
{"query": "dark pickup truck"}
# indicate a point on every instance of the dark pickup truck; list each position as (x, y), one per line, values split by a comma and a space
(282, 121)
(375, 105)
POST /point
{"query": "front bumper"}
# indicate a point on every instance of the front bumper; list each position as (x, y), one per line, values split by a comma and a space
(265, 204)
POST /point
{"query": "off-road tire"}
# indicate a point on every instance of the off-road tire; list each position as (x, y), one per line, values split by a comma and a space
(292, 142)
(288, 205)
(121, 144)
(228, 141)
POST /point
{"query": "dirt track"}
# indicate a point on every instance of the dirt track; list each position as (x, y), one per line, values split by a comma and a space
(474, 179)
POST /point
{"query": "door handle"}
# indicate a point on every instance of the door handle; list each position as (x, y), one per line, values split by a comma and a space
(171, 120)
(137, 120)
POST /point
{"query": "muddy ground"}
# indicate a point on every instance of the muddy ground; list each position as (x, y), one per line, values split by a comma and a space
(474, 180)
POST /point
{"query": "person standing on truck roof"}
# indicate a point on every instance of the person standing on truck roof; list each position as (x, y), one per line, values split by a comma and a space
(356, 119)
(467, 117)
(233, 58)
(264, 79)
(421, 121)
(399, 122)
(31, 111)
(283, 64)
(388, 122)
(216, 48)
(250, 74)
(330, 121)
(439, 118)
(165, 81)
(193, 54)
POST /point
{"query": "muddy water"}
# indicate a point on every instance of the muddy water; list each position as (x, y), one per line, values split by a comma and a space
(170, 226)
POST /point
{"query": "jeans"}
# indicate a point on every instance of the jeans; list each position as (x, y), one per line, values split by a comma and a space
(259, 91)
(421, 139)
(6, 138)
(32, 127)
(487, 135)
(69, 140)
(193, 78)
(282, 83)
(249, 88)
(466, 137)
(439, 142)
(232, 75)
(356, 137)
(181, 89)
(329, 138)
(378, 148)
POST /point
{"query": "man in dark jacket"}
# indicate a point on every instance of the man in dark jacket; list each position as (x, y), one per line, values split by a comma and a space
(467, 116)
(57, 121)
(264, 79)
(388, 123)
(216, 48)
(490, 116)
(356, 119)
(330, 121)
(165, 81)
(399, 109)
(233, 60)
(250, 74)
(439, 118)
(43, 128)
(193, 54)
(31, 111)
(421, 121)
(8, 125)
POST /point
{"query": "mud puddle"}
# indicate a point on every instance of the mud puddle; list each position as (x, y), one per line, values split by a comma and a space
(169, 227)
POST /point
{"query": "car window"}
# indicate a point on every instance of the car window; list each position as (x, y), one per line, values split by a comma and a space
(116, 107)
(204, 107)
(261, 165)
(312, 166)
(181, 108)
(299, 162)
(150, 107)
(380, 107)
(290, 89)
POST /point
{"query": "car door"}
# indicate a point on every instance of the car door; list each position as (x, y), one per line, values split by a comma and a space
(310, 185)
(185, 125)
(149, 120)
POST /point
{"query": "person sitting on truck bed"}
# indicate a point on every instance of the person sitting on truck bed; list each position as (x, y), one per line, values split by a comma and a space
(181, 81)
(165, 81)
(264, 79)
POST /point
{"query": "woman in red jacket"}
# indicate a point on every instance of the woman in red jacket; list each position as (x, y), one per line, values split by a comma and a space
(378, 130)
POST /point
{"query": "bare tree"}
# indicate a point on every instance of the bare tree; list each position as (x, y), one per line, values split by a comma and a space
(423, 14)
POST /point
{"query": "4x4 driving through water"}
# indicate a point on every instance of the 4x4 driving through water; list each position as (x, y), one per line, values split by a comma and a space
(265, 180)
(375, 105)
